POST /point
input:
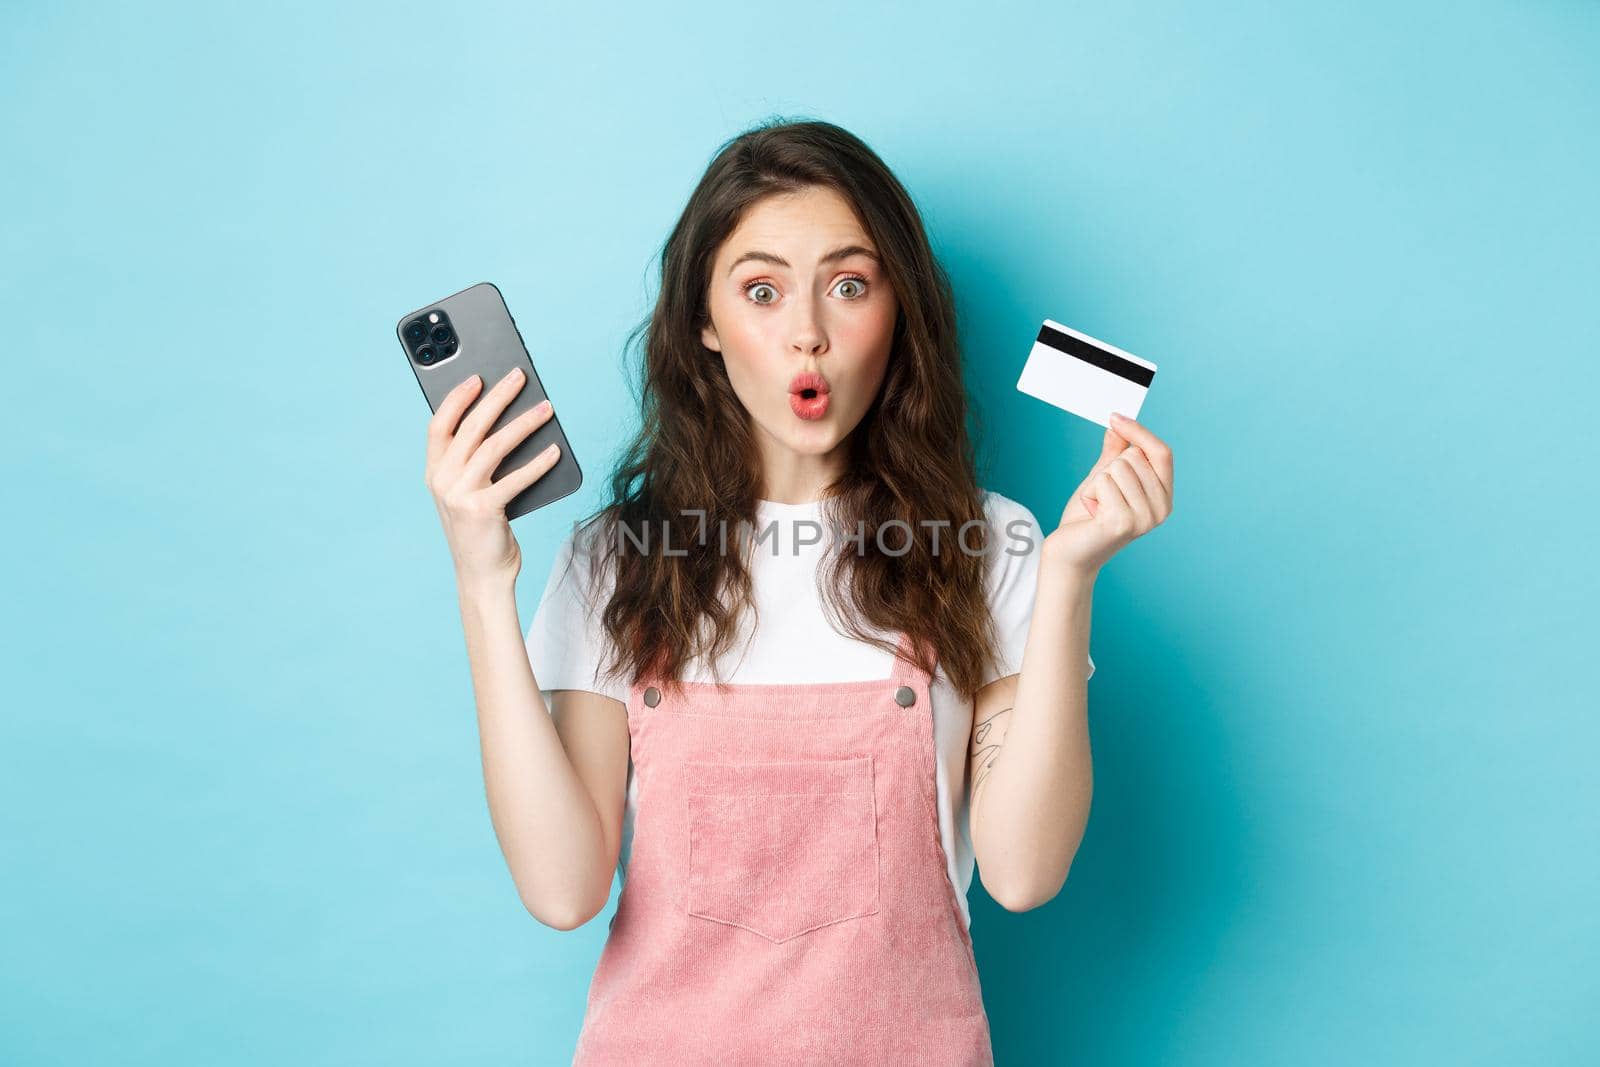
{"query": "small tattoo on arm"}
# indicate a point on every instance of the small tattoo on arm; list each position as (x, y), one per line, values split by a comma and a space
(985, 752)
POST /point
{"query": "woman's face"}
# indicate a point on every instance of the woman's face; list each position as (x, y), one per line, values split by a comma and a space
(805, 340)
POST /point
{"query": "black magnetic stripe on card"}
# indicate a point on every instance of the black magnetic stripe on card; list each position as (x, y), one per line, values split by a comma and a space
(1099, 357)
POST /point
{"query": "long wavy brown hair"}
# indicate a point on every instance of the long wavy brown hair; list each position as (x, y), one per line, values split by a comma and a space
(693, 469)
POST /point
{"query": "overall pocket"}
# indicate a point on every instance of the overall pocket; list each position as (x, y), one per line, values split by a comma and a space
(781, 849)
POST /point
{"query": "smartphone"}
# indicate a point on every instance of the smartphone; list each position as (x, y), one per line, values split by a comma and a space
(472, 332)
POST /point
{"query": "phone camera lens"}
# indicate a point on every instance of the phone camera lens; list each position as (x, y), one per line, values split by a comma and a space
(450, 347)
(415, 330)
(425, 354)
(441, 334)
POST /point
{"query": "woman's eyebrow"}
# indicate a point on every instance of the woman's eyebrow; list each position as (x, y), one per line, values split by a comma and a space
(837, 254)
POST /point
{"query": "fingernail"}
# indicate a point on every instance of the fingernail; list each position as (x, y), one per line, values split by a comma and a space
(1118, 415)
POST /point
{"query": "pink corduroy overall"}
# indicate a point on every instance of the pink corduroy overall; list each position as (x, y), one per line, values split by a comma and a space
(786, 900)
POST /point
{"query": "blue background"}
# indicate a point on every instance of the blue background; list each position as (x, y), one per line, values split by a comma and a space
(1346, 800)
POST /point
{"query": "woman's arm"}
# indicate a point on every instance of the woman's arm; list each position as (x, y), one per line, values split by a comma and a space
(558, 819)
(1028, 811)
(555, 783)
(1032, 776)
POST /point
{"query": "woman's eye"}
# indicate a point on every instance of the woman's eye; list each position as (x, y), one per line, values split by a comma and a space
(850, 288)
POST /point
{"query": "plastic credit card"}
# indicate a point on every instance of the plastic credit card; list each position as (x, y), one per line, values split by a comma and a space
(1085, 376)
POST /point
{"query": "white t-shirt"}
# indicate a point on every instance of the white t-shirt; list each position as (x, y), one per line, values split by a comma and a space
(566, 643)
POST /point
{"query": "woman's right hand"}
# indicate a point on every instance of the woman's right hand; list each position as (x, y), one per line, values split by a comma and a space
(471, 507)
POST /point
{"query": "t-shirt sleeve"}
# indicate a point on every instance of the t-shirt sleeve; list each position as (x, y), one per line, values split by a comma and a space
(567, 645)
(1013, 579)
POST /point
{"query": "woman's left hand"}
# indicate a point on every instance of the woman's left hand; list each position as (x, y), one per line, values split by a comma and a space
(1127, 493)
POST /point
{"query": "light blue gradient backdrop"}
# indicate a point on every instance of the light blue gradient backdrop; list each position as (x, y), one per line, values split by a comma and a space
(1346, 801)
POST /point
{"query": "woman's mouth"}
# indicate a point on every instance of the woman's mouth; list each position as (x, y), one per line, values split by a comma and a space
(808, 395)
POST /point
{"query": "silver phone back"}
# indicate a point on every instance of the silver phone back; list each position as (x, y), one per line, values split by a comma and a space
(490, 345)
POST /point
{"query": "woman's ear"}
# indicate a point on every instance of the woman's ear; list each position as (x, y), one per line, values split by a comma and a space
(708, 337)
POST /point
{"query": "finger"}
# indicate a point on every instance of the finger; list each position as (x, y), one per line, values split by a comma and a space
(1160, 455)
(516, 481)
(1112, 503)
(480, 468)
(1133, 492)
(482, 417)
(1154, 491)
(443, 423)
(1110, 447)
(1086, 496)
(1111, 444)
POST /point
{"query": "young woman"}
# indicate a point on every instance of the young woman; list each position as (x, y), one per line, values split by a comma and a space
(801, 672)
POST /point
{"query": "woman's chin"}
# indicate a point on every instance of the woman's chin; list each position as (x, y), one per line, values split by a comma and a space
(811, 437)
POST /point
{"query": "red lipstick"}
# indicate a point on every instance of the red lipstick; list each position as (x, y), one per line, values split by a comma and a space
(808, 395)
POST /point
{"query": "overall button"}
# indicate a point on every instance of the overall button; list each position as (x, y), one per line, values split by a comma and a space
(652, 696)
(905, 696)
